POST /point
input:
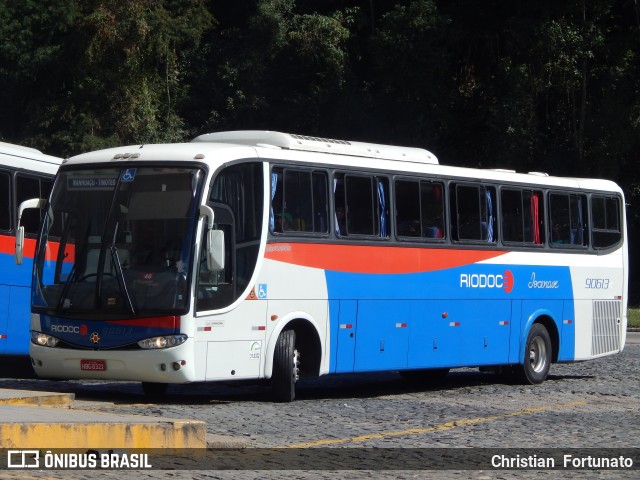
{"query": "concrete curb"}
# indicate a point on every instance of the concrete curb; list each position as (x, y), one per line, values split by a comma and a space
(24, 423)
(32, 398)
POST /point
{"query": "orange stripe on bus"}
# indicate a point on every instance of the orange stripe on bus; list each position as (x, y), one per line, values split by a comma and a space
(8, 246)
(375, 259)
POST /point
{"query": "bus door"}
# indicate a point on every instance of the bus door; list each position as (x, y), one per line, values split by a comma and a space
(234, 340)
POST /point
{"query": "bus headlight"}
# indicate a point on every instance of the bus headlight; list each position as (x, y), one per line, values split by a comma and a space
(166, 341)
(43, 339)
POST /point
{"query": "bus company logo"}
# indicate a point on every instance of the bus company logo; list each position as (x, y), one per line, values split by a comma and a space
(77, 329)
(488, 280)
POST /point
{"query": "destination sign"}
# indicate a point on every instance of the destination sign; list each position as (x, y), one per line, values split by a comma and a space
(91, 183)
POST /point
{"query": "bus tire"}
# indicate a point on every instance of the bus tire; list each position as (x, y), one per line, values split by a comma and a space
(152, 389)
(286, 367)
(537, 356)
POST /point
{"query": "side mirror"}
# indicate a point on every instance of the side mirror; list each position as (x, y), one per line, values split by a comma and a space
(215, 250)
(215, 241)
(19, 247)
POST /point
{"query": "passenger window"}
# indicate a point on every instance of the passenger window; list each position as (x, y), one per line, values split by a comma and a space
(361, 218)
(522, 221)
(605, 218)
(299, 201)
(363, 202)
(473, 208)
(5, 202)
(568, 219)
(419, 209)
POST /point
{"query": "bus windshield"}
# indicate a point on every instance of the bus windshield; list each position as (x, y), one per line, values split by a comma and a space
(125, 244)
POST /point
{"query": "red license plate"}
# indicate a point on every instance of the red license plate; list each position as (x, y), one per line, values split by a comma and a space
(93, 365)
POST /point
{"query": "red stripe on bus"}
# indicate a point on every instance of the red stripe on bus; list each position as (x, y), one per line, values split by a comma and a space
(154, 322)
(375, 259)
(8, 246)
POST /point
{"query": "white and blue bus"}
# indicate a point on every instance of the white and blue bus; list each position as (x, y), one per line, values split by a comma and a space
(263, 255)
(24, 173)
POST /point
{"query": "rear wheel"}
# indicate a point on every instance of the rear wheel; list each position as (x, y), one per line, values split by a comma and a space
(286, 367)
(537, 356)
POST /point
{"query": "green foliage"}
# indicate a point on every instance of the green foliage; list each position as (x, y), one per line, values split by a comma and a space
(633, 318)
(105, 73)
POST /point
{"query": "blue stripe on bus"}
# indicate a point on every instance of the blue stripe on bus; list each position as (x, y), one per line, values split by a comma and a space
(468, 316)
(15, 305)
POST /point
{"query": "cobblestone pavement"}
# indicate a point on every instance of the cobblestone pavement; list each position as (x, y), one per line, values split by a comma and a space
(593, 404)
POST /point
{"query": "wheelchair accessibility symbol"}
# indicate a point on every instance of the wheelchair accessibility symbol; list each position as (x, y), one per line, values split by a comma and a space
(262, 290)
(128, 175)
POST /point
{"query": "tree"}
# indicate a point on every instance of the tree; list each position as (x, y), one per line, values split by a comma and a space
(112, 74)
(271, 67)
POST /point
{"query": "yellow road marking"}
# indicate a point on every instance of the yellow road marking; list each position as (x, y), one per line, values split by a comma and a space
(435, 428)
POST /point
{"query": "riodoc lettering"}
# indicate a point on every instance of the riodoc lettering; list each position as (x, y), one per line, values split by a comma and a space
(542, 283)
(481, 280)
(487, 280)
(65, 329)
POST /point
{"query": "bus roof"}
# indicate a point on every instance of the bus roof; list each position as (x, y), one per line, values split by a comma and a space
(304, 143)
(221, 147)
(28, 158)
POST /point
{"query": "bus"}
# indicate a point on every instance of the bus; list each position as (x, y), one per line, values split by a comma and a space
(24, 173)
(260, 255)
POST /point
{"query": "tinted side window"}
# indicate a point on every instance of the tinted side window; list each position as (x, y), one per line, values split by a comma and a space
(568, 219)
(605, 218)
(237, 199)
(5, 201)
(419, 209)
(473, 212)
(522, 216)
(364, 201)
(361, 211)
(299, 201)
(27, 188)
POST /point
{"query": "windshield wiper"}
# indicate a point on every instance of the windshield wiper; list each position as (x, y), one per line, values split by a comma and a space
(121, 280)
(65, 289)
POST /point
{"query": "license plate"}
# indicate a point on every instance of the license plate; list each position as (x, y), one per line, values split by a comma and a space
(93, 365)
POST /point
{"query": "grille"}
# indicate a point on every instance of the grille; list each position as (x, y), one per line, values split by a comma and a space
(606, 327)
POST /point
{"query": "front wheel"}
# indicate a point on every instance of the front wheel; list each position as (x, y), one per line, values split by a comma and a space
(537, 356)
(286, 367)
